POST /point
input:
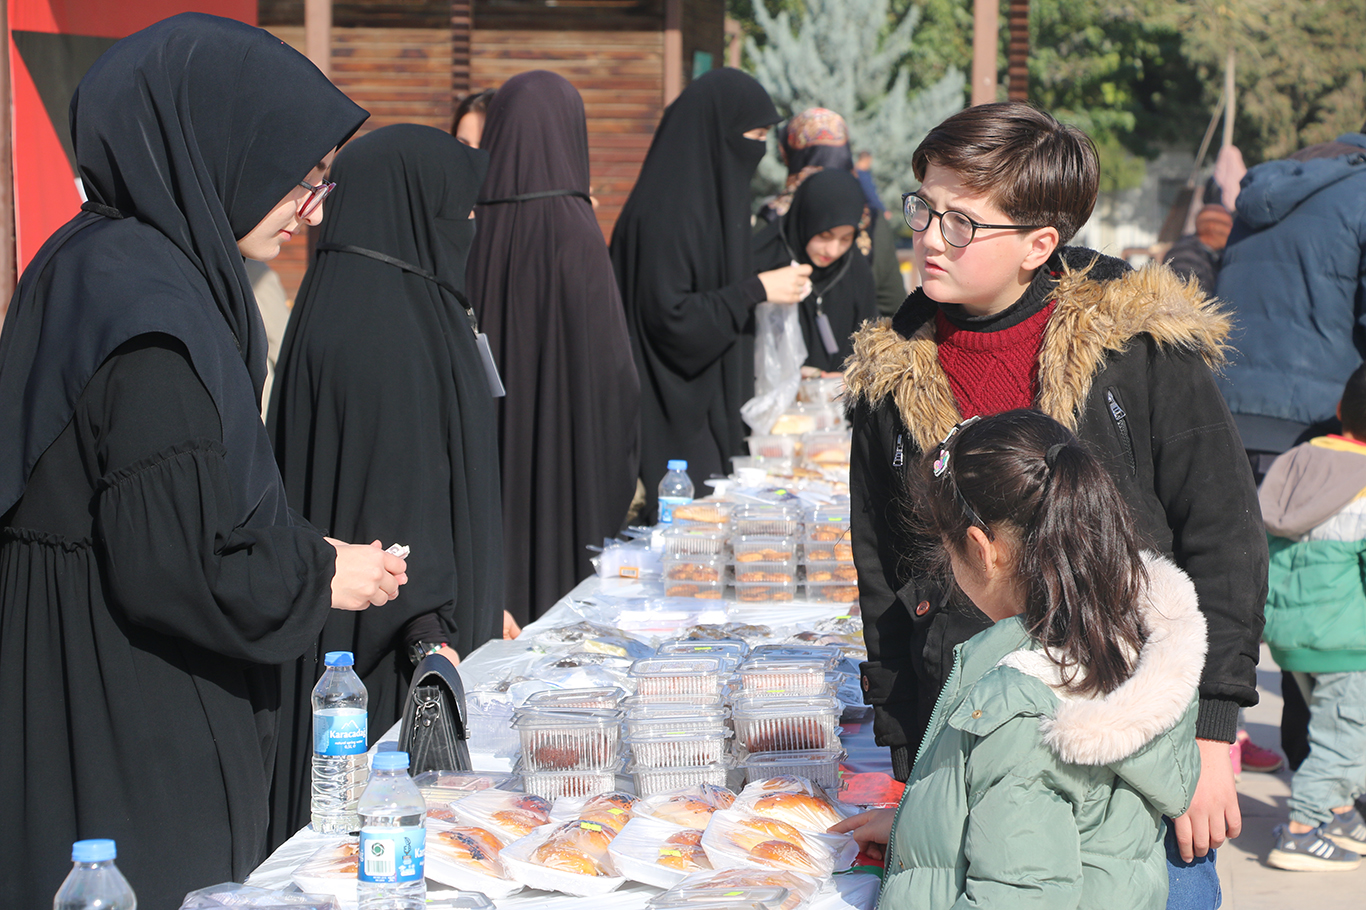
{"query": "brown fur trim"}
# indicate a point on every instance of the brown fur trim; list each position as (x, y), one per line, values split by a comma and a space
(1091, 319)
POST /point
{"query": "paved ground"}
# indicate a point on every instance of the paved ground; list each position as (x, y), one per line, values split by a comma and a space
(1250, 884)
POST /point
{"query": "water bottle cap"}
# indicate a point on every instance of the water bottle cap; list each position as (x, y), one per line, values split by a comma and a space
(93, 851)
(677, 464)
(390, 761)
(339, 659)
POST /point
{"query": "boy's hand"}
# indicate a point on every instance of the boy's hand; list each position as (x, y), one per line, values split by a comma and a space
(787, 284)
(1214, 815)
(869, 829)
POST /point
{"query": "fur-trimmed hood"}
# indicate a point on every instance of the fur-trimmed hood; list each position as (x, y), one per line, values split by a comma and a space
(1102, 306)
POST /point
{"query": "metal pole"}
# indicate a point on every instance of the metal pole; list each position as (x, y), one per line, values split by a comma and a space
(985, 42)
(318, 34)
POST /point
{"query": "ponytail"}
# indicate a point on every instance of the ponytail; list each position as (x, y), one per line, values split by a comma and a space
(1077, 553)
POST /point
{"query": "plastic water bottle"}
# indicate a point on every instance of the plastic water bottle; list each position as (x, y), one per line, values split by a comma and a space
(94, 882)
(339, 744)
(393, 841)
(674, 490)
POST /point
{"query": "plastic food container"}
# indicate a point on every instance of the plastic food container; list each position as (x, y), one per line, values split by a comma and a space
(568, 740)
(766, 572)
(781, 467)
(830, 655)
(765, 723)
(712, 890)
(728, 648)
(490, 726)
(558, 699)
(663, 748)
(695, 540)
(749, 548)
(821, 390)
(768, 519)
(694, 568)
(650, 781)
(678, 676)
(702, 513)
(820, 766)
(766, 592)
(841, 592)
(773, 446)
(827, 448)
(785, 676)
(553, 785)
(677, 718)
(685, 700)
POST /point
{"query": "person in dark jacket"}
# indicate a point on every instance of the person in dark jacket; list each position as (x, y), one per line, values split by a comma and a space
(1006, 319)
(1198, 255)
(1294, 279)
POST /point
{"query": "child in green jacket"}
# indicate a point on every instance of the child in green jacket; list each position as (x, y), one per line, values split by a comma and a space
(1314, 505)
(1066, 730)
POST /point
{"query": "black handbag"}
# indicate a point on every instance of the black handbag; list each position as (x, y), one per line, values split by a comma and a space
(434, 730)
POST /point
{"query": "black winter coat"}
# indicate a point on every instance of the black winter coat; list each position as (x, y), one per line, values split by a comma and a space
(1126, 363)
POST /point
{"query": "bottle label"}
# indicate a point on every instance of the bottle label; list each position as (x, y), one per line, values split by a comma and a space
(341, 731)
(392, 855)
(667, 504)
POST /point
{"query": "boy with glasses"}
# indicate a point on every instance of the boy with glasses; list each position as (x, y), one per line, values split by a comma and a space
(1008, 317)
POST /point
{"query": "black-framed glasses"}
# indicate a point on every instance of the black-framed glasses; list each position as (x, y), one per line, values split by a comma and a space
(943, 466)
(315, 197)
(958, 229)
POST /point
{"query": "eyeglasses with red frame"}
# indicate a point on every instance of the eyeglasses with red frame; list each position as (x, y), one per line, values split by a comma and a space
(315, 197)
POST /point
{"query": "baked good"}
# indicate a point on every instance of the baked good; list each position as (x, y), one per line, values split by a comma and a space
(692, 590)
(828, 532)
(717, 796)
(800, 809)
(689, 838)
(844, 552)
(441, 813)
(474, 847)
(529, 802)
(799, 889)
(556, 757)
(831, 456)
(683, 857)
(554, 855)
(517, 822)
(612, 810)
(751, 830)
(763, 595)
(767, 554)
(688, 811)
(770, 577)
(706, 512)
(692, 571)
(785, 783)
(785, 855)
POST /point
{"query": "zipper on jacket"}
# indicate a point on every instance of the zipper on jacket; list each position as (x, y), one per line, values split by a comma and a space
(1126, 442)
(930, 732)
(898, 457)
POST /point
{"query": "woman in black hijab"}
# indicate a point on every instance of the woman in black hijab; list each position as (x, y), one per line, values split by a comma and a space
(542, 284)
(818, 230)
(151, 576)
(683, 256)
(383, 422)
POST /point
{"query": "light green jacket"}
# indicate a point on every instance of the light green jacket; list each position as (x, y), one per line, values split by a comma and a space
(1024, 797)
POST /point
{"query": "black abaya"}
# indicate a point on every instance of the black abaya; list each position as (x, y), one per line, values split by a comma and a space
(383, 423)
(843, 290)
(542, 284)
(682, 252)
(150, 573)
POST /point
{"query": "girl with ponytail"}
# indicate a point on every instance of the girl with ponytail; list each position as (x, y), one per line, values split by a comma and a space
(1067, 729)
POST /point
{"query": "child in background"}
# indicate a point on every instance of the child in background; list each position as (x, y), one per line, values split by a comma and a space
(1067, 729)
(1314, 505)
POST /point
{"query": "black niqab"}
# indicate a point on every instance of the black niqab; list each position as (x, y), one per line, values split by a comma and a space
(542, 284)
(842, 290)
(384, 426)
(682, 253)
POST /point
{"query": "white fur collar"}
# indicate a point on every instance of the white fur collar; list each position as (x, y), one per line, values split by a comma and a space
(1105, 729)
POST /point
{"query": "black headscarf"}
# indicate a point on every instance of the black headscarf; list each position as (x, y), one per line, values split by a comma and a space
(542, 284)
(842, 290)
(682, 251)
(186, 134)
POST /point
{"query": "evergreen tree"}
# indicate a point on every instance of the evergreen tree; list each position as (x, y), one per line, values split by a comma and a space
(851, 56)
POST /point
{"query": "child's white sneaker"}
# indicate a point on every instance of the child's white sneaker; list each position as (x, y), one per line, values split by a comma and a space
(1309, 852)
(1347, 830)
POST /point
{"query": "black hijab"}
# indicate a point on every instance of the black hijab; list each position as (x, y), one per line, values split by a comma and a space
(843, 290)
(186, 135)
(681, 249)
(542, 284)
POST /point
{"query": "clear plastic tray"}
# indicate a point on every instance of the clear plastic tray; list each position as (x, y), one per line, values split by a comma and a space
(820, 766)
(770, 446)
(650, 781)
(791, 676)
(677, 718)
(694, 540)
(766, 592)
(689, 700)
(661, 748)
(490, 727)
(765, 572)
(694, 569)
(710, 889)
(701, 590)
(557, 784)
(707, 513)
(781, 467)
(827, 653)
(769, 519)
(784, 724)
(826, 571)
(692, 647)
(826, 448)
(568, 740)
(748, 548)
(821, 390)
(678, 676)
(557, 699)
(837, 592)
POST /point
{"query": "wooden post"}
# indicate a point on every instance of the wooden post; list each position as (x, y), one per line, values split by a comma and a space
(1017, 52)
(985, 42)
(462, 30)
(318, 34)
(735, 42)
(7, 254)
(1231, 95)
(673, 50)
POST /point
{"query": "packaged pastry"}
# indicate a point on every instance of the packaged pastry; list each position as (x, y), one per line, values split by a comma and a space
(612, 809)
(709, 888)
(568, 739)
(737, 839)
(441, 788)
(571, 858)
(658, 853)
(331, 870)
(467, 858)
(691, 807)
(795, 800)
(508, 816)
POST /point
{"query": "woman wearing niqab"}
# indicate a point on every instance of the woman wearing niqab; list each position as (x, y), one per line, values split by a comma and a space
(842, 290)
(542, 285)
(682, 252)
(383, 423)
(151, 576)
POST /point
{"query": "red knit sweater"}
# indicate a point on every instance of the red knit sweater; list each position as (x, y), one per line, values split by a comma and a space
(991, 372)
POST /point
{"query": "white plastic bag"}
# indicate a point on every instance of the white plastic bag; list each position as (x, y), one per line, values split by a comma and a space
(779, 353)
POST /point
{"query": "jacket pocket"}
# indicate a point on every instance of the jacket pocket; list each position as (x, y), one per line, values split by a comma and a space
(1121, 423)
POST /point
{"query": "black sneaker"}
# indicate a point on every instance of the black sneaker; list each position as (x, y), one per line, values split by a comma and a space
(1347, 830)
(1309, 852)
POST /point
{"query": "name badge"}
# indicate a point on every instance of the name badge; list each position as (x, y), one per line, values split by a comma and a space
(490, 368)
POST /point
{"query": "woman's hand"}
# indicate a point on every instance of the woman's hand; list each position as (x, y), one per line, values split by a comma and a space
(510, 627)
(787, 284)
(365, 575)
(870, 829)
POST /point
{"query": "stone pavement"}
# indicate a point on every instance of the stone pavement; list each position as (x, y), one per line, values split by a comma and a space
(1248, 883)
